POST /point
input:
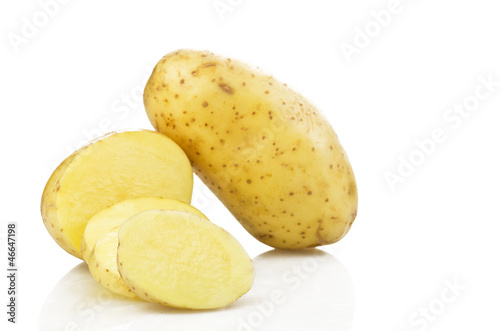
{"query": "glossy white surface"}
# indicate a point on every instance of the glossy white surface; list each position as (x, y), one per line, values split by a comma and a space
(288, 286)
(424, 257)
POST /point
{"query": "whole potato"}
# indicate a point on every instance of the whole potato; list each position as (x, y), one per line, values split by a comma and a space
(264, 150)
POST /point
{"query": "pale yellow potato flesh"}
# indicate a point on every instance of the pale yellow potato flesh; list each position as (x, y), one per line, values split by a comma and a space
(117, 167)
(102, 264)
(116, 214)
(265, 151)
(180, 260)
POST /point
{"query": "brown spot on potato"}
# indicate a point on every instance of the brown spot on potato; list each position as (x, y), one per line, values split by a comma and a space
(226, 88)
(205, 104)
(210, 64)
(249, 181)
(309, 193)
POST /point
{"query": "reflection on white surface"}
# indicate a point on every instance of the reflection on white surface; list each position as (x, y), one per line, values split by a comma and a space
(306, 290)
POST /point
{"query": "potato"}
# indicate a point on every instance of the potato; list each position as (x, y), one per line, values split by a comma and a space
(102, 264)
(116, 214)
(117, 167)
(100, 239)
(264, 150)
(180, 260)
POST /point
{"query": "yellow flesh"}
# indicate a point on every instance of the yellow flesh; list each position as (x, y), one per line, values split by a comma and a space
(102, 264)
(115, 215)
(179, 259)
(265, 151)
(121, 166)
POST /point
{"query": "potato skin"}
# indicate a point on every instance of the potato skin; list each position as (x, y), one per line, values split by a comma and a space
(264, 150)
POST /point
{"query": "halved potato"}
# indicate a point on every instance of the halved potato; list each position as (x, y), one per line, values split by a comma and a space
(116, 167)
(102, 264)
(180, 260)
(116, 214)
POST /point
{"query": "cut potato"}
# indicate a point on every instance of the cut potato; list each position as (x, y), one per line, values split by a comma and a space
(102, 264)
(117, 167)
(115, 215)
(180, 260)
(265, 151)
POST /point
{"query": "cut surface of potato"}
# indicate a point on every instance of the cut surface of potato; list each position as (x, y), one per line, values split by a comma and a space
(102, 264)
(117, 167)
(264, 150)
(116, 214)
(180, 260)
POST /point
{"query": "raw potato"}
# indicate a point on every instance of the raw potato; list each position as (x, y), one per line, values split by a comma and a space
(100, 239)
(116, 167)
(179, 259)
(115, 215)
(265, 151)
(103, 267)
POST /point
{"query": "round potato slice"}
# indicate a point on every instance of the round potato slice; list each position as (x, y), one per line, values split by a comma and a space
(116, 167)
(180, 260)
(102, 264)
(115, 215)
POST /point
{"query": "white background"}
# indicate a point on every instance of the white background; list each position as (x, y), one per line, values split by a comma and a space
(70, 80)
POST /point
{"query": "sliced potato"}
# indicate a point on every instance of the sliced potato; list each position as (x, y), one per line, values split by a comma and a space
(102, 264)
(117, 167)
(180, 260)
(115, 215)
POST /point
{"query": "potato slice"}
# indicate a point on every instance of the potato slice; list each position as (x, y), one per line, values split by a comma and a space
(117, 167)
(103, 267)
(115, 215)
(178, 259)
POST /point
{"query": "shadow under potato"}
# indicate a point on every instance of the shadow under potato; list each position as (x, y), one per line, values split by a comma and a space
(293, 290)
